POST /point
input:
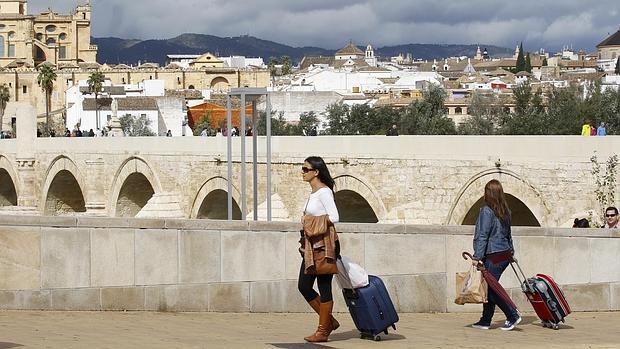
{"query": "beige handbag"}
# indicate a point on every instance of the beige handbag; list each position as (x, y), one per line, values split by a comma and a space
(471, 287)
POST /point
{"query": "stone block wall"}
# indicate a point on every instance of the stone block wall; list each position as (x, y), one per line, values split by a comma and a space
(86, 263)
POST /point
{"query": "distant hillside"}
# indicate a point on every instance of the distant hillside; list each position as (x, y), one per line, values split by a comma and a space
(115, 50)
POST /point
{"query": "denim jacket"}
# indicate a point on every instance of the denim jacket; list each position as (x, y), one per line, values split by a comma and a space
(491, 235)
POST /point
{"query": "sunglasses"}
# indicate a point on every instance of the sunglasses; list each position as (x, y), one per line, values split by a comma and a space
(306, 169)
(610, 215)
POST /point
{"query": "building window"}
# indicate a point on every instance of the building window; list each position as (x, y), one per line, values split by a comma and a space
(11, 35)
(62, 52)
(40, 36)
(50, 28)
(50, 41)
(458, 110)
(1, 46)
(123, 80)
(191, 87)
(11, 50)
(62, 36)
(24, 89)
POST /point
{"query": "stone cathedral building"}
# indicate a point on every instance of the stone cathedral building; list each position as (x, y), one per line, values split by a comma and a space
(63, 40)
(28, 40)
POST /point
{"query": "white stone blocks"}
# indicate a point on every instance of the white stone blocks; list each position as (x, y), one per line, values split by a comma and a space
(605, 260)
(112, 257)
(388, 254)
(199, 256)
(177, 298)
(65, 258)
(82, 299)
(122, 298)
(156, 257)
(230, 297)
(252, 256)
(572, 261)
(20, 251)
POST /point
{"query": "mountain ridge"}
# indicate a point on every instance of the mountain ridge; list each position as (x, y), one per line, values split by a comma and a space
(131, 51)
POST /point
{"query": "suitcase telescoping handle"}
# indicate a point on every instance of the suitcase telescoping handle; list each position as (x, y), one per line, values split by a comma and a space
(523, 281)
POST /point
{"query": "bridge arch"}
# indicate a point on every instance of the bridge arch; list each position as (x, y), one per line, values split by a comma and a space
(357, 201)
(526, 202)
(9, 183)
(133, 186)
(63, 189)
(211, 201)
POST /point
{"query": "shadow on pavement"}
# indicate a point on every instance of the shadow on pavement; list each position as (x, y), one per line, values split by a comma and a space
(5, 345)
(298, 346)
(340, 336)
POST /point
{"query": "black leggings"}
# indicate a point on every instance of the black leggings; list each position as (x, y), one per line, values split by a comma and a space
(305, 285)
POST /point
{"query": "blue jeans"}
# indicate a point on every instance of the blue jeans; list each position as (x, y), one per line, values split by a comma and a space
(488, 309)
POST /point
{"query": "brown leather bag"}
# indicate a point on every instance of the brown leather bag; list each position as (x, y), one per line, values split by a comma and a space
(322, 264)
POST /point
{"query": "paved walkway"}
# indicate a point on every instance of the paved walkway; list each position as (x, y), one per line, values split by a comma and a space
(249, 331)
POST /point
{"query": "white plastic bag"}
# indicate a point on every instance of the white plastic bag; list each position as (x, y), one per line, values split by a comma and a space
(350, 275)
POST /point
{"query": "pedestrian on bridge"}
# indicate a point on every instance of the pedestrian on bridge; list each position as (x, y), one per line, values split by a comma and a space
(319, 246)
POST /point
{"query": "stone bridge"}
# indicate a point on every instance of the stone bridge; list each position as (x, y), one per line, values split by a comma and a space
(406, 179)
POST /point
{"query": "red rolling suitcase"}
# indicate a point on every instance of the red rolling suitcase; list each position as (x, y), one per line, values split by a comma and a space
(545, 296)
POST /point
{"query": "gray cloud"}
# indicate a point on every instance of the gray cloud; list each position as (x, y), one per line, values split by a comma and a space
(332, 23)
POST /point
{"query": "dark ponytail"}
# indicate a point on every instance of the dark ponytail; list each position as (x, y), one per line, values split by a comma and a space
(317, 163)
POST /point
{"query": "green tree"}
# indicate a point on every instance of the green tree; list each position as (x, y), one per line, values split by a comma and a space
(273, 61)
(279, 125)
(486, 111)
(307, 121)
(428, 116)
(563, 111)
(337, 115)
(46, 79)
(520, 59)
(95, 85)
(617, 71)
(528, 63)
(136, 126)
(529, 117)
(544, 62)
(286, 65)
(5, 96)
(204, 123)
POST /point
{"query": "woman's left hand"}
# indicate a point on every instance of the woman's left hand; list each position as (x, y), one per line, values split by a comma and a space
(475, 263)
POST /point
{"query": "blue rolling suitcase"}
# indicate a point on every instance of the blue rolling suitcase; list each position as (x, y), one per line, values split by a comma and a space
(371, 308)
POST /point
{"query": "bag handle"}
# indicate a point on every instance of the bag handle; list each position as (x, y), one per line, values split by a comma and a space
(466, 255)
(525, 286)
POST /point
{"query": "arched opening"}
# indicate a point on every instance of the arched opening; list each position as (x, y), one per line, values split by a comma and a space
(133, 196)
(458, 110)
(64, 196)
(521, 214)
(215, 206)
(353, 208)
(8, 195)
(39, 54)
(219, 84)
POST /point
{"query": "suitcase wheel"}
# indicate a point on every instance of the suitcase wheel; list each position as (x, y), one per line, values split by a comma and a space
(377, 338)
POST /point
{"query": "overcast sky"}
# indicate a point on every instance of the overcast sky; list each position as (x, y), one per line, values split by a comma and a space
(332, 23)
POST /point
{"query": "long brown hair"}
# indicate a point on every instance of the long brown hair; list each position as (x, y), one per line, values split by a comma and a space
(495, 199)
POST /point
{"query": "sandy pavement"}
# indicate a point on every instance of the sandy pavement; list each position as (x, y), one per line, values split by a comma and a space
(248, 331)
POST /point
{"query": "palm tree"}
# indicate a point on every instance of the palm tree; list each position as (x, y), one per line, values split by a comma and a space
(95, 84)
(46, 79)
(5, 95)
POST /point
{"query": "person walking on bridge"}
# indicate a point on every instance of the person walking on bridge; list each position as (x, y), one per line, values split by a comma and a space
(494, 248)
(319, 246)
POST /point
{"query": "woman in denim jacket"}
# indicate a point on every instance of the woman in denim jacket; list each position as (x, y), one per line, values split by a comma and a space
(493, 247)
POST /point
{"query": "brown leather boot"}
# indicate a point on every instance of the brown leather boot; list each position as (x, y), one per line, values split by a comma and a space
(316, 304)
(322, 333)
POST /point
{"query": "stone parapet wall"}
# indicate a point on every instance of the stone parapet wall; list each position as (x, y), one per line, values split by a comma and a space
(86, 263)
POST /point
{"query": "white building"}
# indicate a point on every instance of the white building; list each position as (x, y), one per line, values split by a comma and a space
(144, 99)
(243, 62)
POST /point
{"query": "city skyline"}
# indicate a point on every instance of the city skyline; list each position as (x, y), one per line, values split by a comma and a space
(538, 24)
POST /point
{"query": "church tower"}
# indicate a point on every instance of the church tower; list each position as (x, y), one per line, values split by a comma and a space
(478, 55)
(370, 56)
(14, 7)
